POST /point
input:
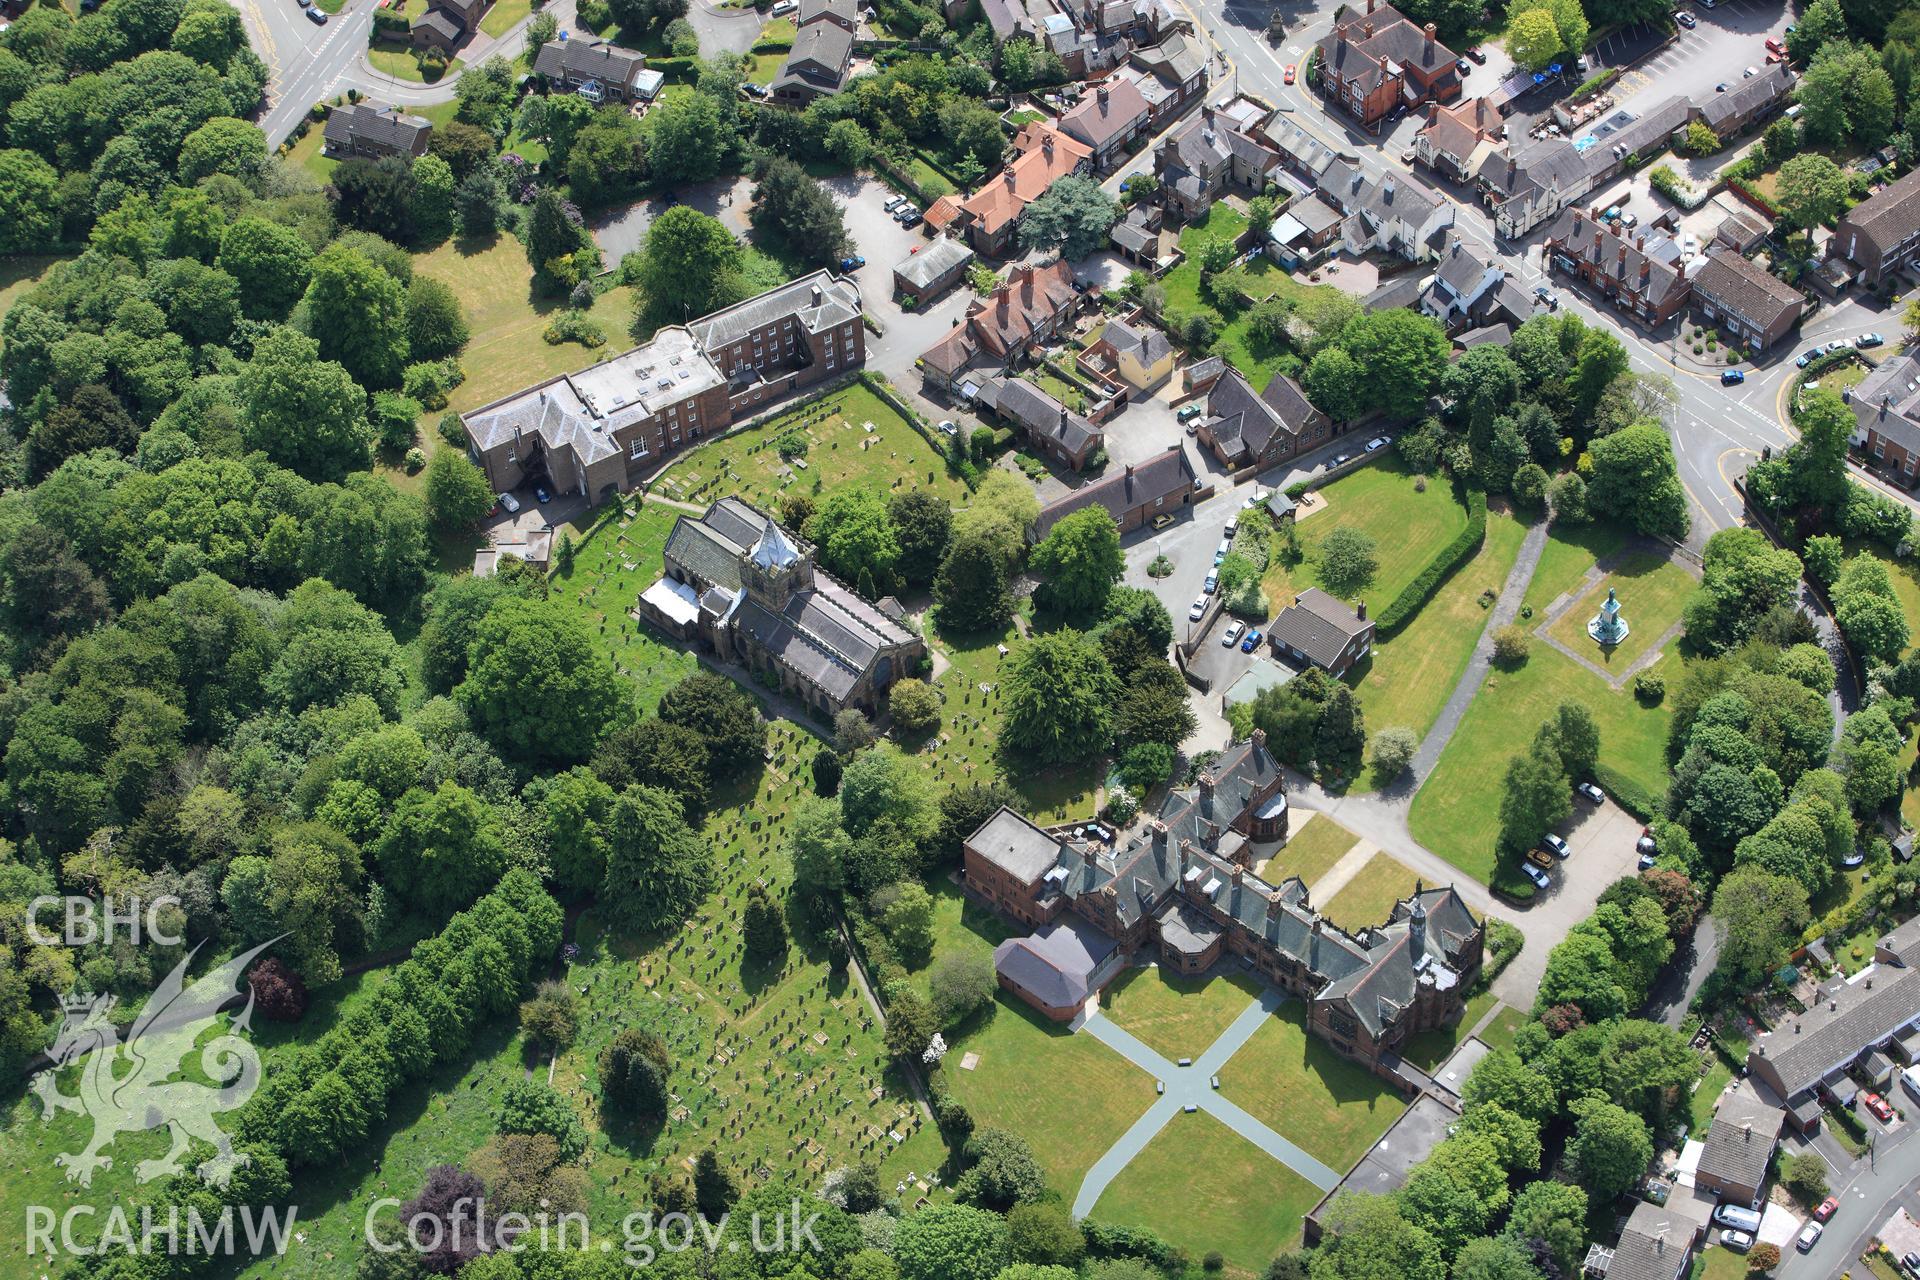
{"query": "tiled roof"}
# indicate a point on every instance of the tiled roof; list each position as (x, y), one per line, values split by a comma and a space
(814, 10)
(1176, 60)
(441, 21)
(1741, 287)
(1107, 112)
(1029, 295)
(1887, 400)
(1164, 475)
(1654, 1245)
(1038, 413)
(838, 304)
(1847, 1018)
(1740, 1140)
(1245, 423)
(1646, 265)
(1003, 198)
(1149, 345)
(383, 125)
(1885, 218)
(1318, 625)
(819, 57)
(931, 263)
(587, 60)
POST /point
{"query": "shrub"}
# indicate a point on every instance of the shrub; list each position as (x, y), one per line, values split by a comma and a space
(1391, 751)
(1763, 1258)
(431, 382)
(393, 417)
(415, 459)
(574, 326)
(1650, 687)
(1401, 608)
(1160, 567)
(451, 431)
(1511, 645)
(915, 707)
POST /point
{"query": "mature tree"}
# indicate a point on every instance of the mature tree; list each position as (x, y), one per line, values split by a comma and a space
(1403, 353)
(951, 1242)
(1820, 22)
(654, 753)
(1845, 94)
(885, 783)
(29, 207)
(47, 593)
(93, 418)
(720, 712)
(223, 145)
(1761, 916)
(1348, 561)
(1059, 695)
(305, 413)
(1567, 496)
(1001, 1173)
(376, 196)
(1365, 1238)
(1482, 384)
(271, 262)
(1319, 316)
(1154, 707)
(1551, 1215)
(1073, 215)
(1045, 1237)
(633, 1074)
(915, 706)
(552, 1016)
(1391, 752)
(1495, 1258)
(763, 927)
(1535, 798)
(922, 525)
(961, 983)
(456, 490)
(554, 234)
(1611, 1147)
(1576, 737)
(442, 848)
(971, 589)
(962, 811)
(1634, 477)
(1812, 191)
(690, 140)
(436, 324)
(798, 210)
(358, 315)
(657, 866)
(537, 686)
(1081, 561)
(854, 537)
(607, 159)
(531, 1105)
(574, 811)
(1533, 39)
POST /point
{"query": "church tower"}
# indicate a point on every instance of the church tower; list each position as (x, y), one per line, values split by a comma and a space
(775, 569)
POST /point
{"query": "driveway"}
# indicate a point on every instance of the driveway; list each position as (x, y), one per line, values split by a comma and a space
(1143, 430)
(731, 30)
(622, 231)
(1601, 838)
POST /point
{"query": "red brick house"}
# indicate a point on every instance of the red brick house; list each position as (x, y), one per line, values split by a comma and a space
(1375, 60)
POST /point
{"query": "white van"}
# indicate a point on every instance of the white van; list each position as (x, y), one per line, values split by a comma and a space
(1732, 1215)
(1910, 1081)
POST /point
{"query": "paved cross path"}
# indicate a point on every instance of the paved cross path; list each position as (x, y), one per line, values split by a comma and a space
(1190, 1085)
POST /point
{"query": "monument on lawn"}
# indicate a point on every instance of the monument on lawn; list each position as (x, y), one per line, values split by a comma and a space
(1608, 628)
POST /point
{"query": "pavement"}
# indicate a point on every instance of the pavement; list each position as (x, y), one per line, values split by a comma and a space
(1888, 1180)
(1190, 1086)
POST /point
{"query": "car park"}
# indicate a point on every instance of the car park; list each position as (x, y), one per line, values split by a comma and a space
(1376, 444)
(1826, 1208)
(1289, 74)
(1773, 58)
(1809, 1236)
(1540, 858)
(912, 219)
(894, 204)
(1232, 636)
(1211, 585)
(1251, 642)
(1535, 874)
(1732, 378)
(1776, 45)
(1738, 1241)
(1590, 792)
(1876, 1104)
(1199, 607)
(1868, 340)
(1750, 73)
(1555, 845)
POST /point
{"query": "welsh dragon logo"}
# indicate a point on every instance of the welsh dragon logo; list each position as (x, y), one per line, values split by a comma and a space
(128, 1086)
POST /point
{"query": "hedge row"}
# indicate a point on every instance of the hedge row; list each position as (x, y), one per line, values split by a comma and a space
(1401, 609)
(1631, 796)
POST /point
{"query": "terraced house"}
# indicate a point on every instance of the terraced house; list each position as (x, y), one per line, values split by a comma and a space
(745, 589)
(601, 430)
(1179, 887)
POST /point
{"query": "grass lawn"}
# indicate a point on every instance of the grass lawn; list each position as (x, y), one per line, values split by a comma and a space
(1505, 1025)
(1457, 812)
(763, 67)
(613, 564)
(1408, 678)
(1100, 1093)
(1258, 360)
(1251, 1209)
(839, 452)
(306, 155)
(960, 926)
(1708, 1094)
(1716, 1263)
(1331, 1108)
(1431, 1048)
(1647, 586)
(1879, 1266)
(1386, 502)
(1310, 852)
(1564, 561)
(397, 60)
(503, 15)
(1368, 898)
(19, 274)
(1177, 1016)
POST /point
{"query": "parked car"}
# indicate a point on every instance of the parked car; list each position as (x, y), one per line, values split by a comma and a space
(1869, 340)
(1838, 344)
(912, 219)
(1540, 858)
(541, 495)
(1251, 642)
(1211, 585)
(1289, 73)
(1199, 607)
(1686, 20)
(1464, 67)
(1478, 55)
(1556, 845)
(1376, 444)
(1732, 1215)
(1708, 4)
(1809, 357)
(1232, 636)
(853, 262)
(894, 203)
(1162, 521)
(1646, 842)
(1341, 460)
(1878, 1106)
(948, 427)
(1809, 1236)
(1750, 73)
(1854, 857)
(1188, 412)
(1546, 297)
(1776, 45)
(1732, 378)
(1826, 1209)
(1773, 58)
(317, 15)
(1536, 875)
(1590, 792)
(753, 90)
(1738, 1241)
(1221, 552)
(508, 502)
(1912, 1263)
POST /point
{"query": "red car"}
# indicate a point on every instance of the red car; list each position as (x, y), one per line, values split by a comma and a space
(1826, 1208)
(1878, 1105)
(1776, 57)
(1776, 45)
(1289, 75)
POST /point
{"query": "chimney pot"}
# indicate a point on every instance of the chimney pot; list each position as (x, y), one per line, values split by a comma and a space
(1360, 610)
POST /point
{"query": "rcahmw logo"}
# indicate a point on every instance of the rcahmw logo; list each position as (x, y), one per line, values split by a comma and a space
(171, 1231)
